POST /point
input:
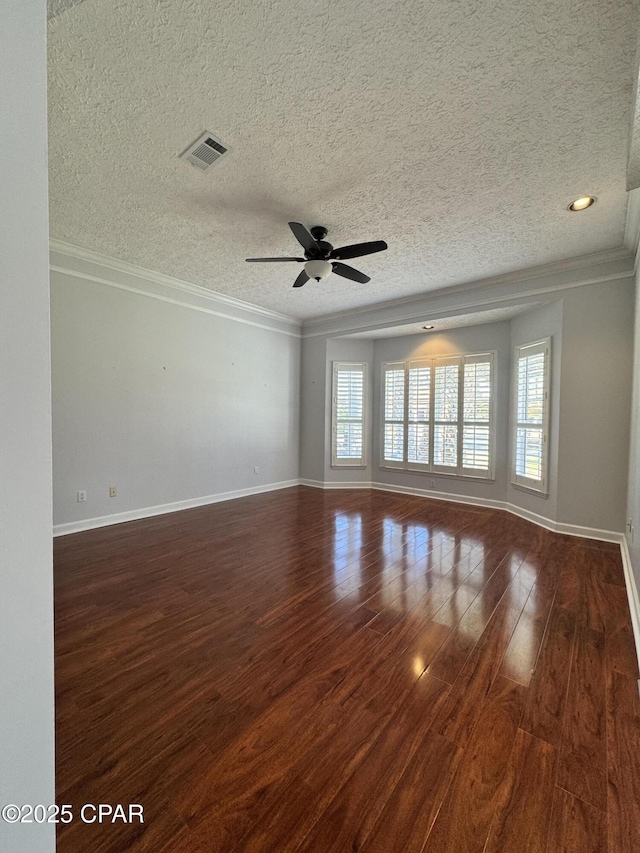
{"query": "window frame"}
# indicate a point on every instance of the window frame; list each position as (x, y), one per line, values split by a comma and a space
(460, 359)
(350, 462)
(540, 487)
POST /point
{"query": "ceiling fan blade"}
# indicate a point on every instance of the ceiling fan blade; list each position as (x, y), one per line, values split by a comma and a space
(303, 237)
(303, 278)
(263, 260)
(348, 272)
(358, 249)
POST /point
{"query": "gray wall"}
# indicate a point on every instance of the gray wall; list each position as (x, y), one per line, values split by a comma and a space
(493, 336)
(633, 497)
(597, 348)
(313, 405)
(163, 402)
(26, 604)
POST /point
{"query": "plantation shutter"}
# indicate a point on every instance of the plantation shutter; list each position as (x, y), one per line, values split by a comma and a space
(445, 413)
(394, 408)
(438, 415)
(348, 414)
(477, 437)
(419, 413)
(531, 418)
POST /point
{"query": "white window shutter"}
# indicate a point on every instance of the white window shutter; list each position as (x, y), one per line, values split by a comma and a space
(419, 414)
(393, 442)
(477, 415)
(438, 415)
(532, 416)
(348, 397)
(446, 414)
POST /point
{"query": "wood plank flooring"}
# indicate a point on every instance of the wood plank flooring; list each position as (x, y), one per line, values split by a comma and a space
(345, 671)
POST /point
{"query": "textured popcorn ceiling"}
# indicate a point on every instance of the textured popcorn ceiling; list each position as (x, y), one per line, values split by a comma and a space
(458, 131)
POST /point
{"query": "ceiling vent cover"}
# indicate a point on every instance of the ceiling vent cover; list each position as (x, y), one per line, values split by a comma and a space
(204, 152)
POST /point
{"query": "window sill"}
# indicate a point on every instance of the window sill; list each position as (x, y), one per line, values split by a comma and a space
(342, 467)
(530, 490)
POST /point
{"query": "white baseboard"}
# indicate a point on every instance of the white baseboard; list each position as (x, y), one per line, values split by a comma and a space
(163, 509)
(319, 484)
(563, 527)
(438, 496)
(542, 521)
(313, 484)
(632, 593)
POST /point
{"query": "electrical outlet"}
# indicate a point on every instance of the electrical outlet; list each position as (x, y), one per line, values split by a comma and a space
(113, 492)
(256, 470)
(82, 496)
(432, 484)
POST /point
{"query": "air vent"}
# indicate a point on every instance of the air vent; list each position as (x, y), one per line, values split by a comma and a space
(204, 152)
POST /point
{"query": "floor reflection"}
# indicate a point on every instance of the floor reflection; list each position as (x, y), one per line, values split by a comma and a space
(347, 553)
(391, 564)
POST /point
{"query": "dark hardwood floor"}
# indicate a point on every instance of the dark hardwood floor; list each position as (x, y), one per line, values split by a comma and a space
(340, 671)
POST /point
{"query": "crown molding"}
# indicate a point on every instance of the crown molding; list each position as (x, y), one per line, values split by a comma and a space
(609, 265)
(98, 259)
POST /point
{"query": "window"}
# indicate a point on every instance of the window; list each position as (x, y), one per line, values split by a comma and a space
(418, 416)
(445, 414)
(438, 415)
(394, 413)
(531, 446)
(476, 416)
(347, 445)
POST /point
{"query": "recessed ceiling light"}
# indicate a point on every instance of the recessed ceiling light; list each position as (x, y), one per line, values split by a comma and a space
(427, 327)
(582, 203)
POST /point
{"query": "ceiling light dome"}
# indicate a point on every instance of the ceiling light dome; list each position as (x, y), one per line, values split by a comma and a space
(582, 203)
(318, 269)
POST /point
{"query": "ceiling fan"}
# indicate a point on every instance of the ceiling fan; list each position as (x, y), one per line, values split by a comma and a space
(321, 259)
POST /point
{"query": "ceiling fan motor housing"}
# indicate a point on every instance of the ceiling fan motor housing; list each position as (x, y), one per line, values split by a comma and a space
(322, 252)
(318, 232)
(324, 249)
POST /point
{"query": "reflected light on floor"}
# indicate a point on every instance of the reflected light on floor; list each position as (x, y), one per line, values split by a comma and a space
(418, 666)
(347, 547)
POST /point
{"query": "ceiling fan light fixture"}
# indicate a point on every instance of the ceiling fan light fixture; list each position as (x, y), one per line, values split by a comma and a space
(318, 269)
(582, 203)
